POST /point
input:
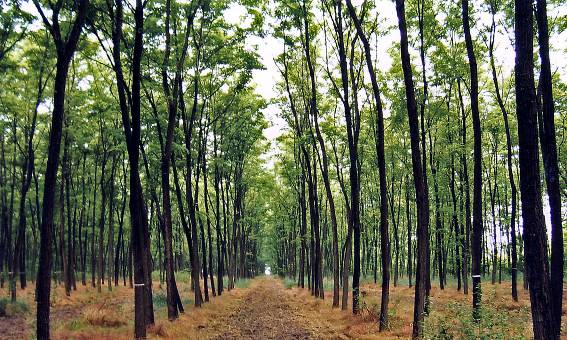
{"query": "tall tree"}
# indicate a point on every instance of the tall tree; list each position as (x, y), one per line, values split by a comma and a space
(380, 157)
(130, 109)
(65, 44)
(513, 189)
(172, 98)
(546, 121)
(421, 195)
(477, 230)
(535, 236)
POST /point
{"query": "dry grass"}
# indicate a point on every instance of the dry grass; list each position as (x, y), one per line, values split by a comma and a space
(87, 314)
(158, 330)
(510, 318)
(103, 316)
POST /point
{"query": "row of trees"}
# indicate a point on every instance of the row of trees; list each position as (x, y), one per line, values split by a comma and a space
(95, 97)
(406, 196)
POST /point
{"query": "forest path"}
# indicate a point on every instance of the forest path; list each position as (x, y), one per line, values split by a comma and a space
(269, 311)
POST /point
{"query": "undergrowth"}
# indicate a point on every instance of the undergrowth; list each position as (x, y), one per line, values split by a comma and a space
(103, 317)
(242, 283)
(288, 282)
(457, 323)
(9, 309)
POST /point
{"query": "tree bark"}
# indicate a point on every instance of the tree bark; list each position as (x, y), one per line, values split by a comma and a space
(477, 228)
(421, 195)
(380, 157)
(551, 167)
(130, 108)
(535, 236)
(65, 51)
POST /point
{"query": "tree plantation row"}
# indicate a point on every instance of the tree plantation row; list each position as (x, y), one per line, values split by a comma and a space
(134, 143)
(369, 194)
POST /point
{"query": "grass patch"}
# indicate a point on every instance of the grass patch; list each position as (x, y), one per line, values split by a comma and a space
(457, 323)
(242, 283)
(158, 330)
(76, 324)
(103, 317)
(288, 282)
(159, 299)
(7, 308)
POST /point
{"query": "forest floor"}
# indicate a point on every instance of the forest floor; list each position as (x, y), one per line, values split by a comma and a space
(270, 308)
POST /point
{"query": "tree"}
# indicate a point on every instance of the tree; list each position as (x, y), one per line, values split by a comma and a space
(546, 122)
(535, 236)
(65, 46)
(477, 172)
(130, 110)
(421, 195)
(514, 195)
(380, 156)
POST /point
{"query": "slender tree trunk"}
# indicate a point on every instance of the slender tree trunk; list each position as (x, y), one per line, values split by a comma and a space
(409, 226)
(421, 194)
(477, 172)
(110, 243)
(139, 239)
(352, 138)
(380, 156)
(316, 264)
(466, 193)
(66, 178)
(65, 52)
(102, 220)
(422, 106)
(220, 238)
(535, 236)
(209, 234)
(93, 223)
(188, 134)
(509, 161)
(551, 167)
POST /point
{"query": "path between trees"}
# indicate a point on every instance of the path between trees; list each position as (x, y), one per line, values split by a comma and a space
(265, 313)
(268, 310)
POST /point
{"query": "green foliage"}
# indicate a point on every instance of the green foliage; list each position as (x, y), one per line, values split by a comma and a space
(457, 322)
(9, 309)
(242, 283)
(159, 299)
(288, 282)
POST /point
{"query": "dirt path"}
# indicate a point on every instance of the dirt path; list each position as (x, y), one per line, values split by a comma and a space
(264, 313)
